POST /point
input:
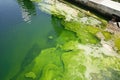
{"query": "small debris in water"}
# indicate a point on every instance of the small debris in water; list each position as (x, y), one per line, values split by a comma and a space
(50, 37)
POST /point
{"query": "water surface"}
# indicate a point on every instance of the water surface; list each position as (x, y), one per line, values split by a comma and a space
(56, 43)
(23, 30)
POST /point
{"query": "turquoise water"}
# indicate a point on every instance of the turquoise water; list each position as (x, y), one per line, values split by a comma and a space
(20, 35)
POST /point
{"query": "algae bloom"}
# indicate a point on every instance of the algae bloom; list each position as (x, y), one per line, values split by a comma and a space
(84, 50)
(30, 75)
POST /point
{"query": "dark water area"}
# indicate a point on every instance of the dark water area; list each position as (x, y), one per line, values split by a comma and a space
(117, 0)
(24, 30)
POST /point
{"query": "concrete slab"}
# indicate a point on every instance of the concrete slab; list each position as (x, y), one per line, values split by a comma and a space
(103, 6)
(97, 1)
(111, 4)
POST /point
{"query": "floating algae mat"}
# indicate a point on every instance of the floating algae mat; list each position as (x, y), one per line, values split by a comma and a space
(86, 50)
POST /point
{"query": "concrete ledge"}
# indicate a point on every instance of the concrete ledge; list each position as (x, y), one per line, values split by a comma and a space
(104, 6)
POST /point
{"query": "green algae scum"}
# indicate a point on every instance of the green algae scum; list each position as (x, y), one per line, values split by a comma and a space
(55, 40)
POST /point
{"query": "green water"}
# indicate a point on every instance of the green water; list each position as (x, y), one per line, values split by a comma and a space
(20, 36)
(41, 40)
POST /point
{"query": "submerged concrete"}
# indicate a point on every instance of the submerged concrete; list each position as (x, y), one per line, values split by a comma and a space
(104, 6)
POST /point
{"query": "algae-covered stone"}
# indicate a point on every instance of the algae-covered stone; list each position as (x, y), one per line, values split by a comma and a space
(82, 63)
(66, 36)
(107, 35)
(86, 37)
(72, 25)
(90, 21)
(116, 40)
(69, 46)
(83, 32)
(51, 72)
(117, 43)
(92, 29)
(74, 67)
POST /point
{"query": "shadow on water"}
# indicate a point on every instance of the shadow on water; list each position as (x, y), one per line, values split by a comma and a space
(28, 9)
(30, 56)
(57, 29)
(56, 22)
(32, 53)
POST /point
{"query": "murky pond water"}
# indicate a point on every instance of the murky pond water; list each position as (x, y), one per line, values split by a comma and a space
(23, 30)
(41, 40)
